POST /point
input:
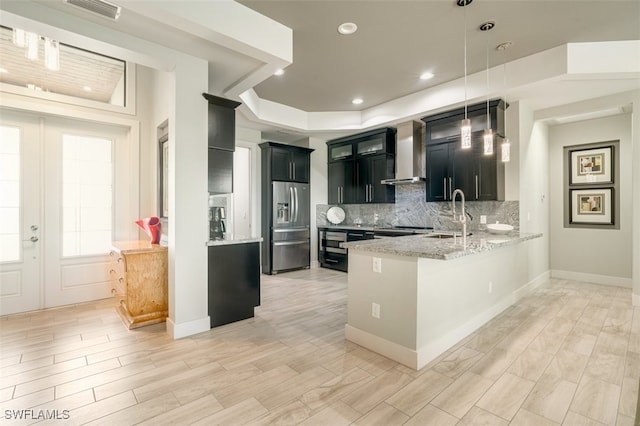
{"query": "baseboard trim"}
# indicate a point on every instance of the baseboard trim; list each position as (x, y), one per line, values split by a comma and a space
(391, 350)
(592, 278)
(417, 359)
(184, 329)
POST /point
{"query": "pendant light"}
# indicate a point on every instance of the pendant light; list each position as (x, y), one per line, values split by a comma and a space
(488, 133)
(30, 41)
(51, 54)
(19, 37)
(506, 145)
(465, 126)
(31, 45)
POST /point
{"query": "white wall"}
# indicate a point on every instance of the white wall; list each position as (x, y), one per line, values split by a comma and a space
(596, 255)
(153, 95)
(318, 190)
(250, 138)
(534, 187)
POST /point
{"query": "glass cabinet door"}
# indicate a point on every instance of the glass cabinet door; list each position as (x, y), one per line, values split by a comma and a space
(340, 152)
(370, 146)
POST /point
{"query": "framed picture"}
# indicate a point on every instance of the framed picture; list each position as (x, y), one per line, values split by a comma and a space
(592, 206)
(163, 176)
(589, 166)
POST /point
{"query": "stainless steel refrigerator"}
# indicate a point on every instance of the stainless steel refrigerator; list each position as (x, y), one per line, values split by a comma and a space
(290, 234)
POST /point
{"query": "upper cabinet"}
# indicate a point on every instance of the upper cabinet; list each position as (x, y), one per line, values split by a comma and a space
(445, 127)
(357, 164)
(449, 167)
(222, 122)
(287, 163)
(221, 143)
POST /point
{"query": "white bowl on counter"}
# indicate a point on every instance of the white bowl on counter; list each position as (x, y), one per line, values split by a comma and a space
(499, 228)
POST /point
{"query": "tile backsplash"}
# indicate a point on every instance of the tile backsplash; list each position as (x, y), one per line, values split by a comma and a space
(411, 209)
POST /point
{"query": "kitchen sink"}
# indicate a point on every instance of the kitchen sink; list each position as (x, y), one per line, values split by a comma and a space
(444, 234)
(438, 236)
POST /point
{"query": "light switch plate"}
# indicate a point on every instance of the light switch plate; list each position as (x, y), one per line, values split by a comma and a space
(483, 219)
(377, 265)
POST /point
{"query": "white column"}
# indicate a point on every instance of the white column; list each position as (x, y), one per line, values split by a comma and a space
(635, 193)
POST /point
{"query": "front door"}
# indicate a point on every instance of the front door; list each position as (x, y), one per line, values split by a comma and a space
(64, 213)
(20, 214)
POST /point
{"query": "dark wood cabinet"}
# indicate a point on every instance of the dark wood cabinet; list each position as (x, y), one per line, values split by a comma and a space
(340, 181)
(357, 164)
(288, 163)
(221, 122)
(445, 127)
(221, 142)
(220, 176)
(369, 172)
(234, 282)
(449, 167)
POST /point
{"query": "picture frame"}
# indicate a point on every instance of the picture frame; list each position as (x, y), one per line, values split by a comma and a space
(591, 166)
(163, 176)
(592, 206)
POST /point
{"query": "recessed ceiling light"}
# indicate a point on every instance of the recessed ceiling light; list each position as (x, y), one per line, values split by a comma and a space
(87, 89)
(279, 71)
(4, 71)
(347, 28)
(356, 101)
(504, 46)
(426, 76)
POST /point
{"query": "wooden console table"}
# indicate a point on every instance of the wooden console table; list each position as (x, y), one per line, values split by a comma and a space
(140, 282)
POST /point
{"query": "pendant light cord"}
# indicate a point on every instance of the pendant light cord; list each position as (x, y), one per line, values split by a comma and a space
(464, 8)
(486, 49)
(504, 83)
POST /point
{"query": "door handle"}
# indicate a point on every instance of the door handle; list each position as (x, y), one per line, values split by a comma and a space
(32, 239)
(476, 187)
(450, 188)
(444, 188)
(293, 169)
(371, 190)
(34, 228)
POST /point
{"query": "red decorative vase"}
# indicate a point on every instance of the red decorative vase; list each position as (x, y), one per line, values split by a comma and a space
(151, 225)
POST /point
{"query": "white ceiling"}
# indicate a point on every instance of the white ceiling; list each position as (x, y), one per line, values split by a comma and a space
(396, 41)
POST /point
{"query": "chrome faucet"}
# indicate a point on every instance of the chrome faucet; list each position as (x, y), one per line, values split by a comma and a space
(463, 216)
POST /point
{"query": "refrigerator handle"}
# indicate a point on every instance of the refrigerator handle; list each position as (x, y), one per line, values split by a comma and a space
(292, 208)
(295, 192)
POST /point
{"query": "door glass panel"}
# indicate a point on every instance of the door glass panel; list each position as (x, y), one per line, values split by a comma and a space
(87, 195)
(9, 194)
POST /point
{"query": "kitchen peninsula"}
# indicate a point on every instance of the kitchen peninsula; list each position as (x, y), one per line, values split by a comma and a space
(411, 298)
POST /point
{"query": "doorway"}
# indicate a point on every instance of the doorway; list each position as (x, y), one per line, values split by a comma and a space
(242, 192)
(59, 198)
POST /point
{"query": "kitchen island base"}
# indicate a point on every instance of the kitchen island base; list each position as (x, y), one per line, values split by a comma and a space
(428, 305)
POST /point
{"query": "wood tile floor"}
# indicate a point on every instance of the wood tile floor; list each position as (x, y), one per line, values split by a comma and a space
(567, 354)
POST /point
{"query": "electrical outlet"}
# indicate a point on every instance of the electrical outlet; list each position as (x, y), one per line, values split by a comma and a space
(490, 287)
(375, 310)
(483, 219)
(377, 265)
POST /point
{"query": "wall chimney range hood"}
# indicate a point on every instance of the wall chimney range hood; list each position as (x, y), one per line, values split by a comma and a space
(410, 158)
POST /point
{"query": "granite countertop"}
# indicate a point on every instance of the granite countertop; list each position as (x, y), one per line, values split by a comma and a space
(436, 248)
(373, 228)
(241, 240)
